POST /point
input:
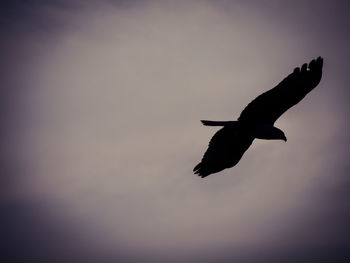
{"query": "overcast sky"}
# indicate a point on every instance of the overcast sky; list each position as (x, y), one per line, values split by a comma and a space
(100, 109)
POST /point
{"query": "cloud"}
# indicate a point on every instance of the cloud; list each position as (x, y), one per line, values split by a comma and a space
(104, 120)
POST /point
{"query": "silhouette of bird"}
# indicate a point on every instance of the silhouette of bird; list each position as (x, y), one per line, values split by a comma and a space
(228, 145)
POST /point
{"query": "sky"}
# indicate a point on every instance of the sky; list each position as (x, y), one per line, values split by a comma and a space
(100, 108)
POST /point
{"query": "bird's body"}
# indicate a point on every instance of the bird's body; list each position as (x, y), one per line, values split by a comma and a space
(228, 145)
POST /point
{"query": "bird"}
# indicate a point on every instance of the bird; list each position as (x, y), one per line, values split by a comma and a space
(257, 119)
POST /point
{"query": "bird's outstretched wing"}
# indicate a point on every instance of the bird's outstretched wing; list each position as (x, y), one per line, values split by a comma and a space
(269, 106)
(225, 150)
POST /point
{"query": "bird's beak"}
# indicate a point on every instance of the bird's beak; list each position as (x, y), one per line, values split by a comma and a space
(285, 139)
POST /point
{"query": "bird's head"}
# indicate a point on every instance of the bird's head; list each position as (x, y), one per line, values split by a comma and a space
(269, 132)
(278, 134)
(284, 138)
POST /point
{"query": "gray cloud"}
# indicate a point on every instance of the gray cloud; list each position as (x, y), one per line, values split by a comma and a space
(104, 126)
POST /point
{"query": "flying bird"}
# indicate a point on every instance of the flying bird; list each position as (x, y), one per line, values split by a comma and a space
(228, 145)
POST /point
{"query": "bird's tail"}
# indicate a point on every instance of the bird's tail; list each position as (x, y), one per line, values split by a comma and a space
(219, 123)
